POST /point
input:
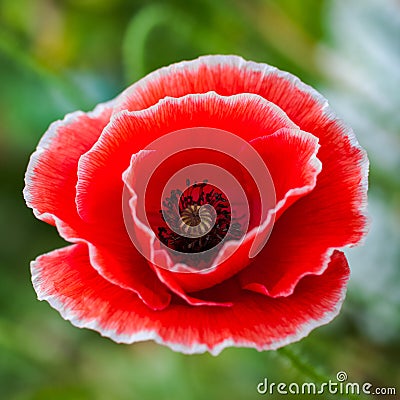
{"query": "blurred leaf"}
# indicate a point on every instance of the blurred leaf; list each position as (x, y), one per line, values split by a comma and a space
(169, 47)
(62, 393)
(10, 47)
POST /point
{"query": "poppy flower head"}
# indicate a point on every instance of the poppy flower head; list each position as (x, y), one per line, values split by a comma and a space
(207, 206)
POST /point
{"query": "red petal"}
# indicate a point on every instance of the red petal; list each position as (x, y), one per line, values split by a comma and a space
(301, 243)
(291, 158)
(285, 152)
(127, 268)
(334, 214)
(344, 178)
(235, 256)
(50, 190)
(100, 185)
(51, 175)
(52, 171)
(66, 280)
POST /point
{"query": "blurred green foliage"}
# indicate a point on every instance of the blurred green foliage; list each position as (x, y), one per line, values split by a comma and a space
(59, 56)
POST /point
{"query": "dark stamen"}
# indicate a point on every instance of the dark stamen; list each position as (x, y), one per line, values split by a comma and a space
(184, 212)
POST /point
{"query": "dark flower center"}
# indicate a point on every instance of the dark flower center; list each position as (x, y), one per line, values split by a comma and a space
(197, 219)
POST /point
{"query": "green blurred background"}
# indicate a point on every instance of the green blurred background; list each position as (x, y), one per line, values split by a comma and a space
(59, 56)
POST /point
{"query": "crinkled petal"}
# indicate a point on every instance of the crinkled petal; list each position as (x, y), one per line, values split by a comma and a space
(50, 190)
(301, 243)
(344, 178)
(100, 169)
(334, 214)
(66, 280)
(291, 157)
(52, 171)
(127, 268)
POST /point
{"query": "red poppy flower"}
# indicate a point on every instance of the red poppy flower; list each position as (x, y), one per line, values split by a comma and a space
(207, 206)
